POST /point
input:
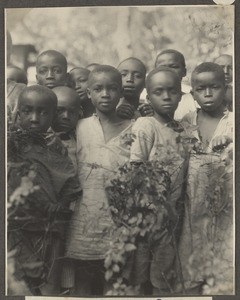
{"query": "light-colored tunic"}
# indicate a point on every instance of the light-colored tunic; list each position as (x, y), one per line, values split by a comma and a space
(224, 127)
(92, 226)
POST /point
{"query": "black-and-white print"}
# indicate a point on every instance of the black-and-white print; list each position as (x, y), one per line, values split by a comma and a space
(120, 150)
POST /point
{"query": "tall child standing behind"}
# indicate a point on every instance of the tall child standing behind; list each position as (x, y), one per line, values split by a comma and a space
(100, 151)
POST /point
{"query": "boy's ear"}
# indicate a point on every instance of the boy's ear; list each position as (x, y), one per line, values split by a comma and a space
(184, 72)
(88, 93)
(148, 99)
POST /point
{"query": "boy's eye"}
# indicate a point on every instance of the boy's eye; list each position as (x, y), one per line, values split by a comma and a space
(26, 111)
(174, 66)
(138, 76)
(60, 110)
(57, 70)
(124, 74)
(42, 71)
(158, 92)
(43, 113)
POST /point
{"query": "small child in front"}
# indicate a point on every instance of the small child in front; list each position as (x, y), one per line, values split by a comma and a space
(154, 134)
(100, 151)
(51, 69)
(37, 227)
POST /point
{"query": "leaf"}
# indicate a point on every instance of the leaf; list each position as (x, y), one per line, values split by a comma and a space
(107, 262)
(116, 268)
(108, 275)
(129, 247)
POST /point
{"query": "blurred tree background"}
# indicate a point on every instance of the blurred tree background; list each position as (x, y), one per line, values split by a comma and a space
(109, 34)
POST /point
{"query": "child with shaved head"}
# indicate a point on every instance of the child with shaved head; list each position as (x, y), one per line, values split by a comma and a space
(37, 227)
(51, 68)
(215, 122)
(101, 149)
(133, 73)
(175, 60)
(78, 78)
(209, 188)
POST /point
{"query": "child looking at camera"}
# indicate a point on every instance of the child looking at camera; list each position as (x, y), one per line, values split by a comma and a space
(133, 73)
(176, 61)
(215, 122)
(79, 78)
(101, 149)
(37, 227)
(155, 139)
(209, 186)
(51, 69)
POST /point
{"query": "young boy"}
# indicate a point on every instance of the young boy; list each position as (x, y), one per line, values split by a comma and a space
(133, 79)
(225, 61)
(215, 122)
(209, 188)
(176, 61)
(79, 77)
(100, 151)
(66, 118)
(51, 68)
(153, 138)
(36, 228)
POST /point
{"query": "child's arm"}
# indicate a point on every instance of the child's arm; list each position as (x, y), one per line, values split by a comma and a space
(221, 142)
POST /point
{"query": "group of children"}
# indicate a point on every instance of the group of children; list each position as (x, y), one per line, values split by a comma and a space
(75, 123)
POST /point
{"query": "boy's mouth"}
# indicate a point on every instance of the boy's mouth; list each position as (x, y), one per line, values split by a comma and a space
(51, 84)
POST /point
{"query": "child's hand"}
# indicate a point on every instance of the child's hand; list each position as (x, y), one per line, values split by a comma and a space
(220, 142)
(146, 110)
(125, 111)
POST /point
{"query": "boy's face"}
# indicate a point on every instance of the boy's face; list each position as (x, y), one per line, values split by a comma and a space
(208, 90)
(171, 60)
(51, 71)
(79, 79)
(105, 91)
(36, 112)
(133, 78)
(225, 62)
(67, 114)
(164, 93)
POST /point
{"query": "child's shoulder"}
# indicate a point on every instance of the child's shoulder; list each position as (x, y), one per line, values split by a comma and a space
(86, 121)
(145, 124)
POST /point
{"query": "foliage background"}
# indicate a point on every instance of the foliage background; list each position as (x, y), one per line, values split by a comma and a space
(110, 34)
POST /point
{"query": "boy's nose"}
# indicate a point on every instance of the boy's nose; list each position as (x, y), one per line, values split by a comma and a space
(208, 92)
(105, 93)
(66, 115)
(34, 118)
(130, 77)
(50, 74)
(166, 95)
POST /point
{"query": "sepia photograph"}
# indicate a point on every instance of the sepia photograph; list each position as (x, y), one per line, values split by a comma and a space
(120, 151)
